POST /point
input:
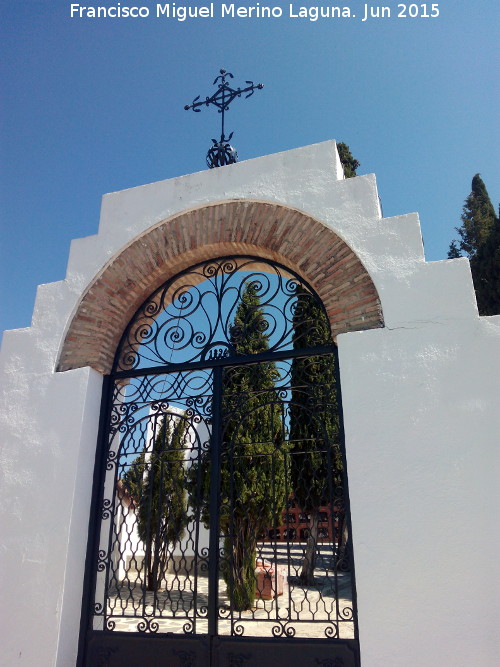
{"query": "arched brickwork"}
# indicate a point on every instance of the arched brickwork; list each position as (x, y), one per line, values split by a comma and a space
(262, 229)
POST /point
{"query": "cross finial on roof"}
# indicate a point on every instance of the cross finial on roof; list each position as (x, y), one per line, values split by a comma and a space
(222, 153)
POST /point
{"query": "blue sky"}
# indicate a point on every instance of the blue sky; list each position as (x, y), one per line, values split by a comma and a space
(96, 105)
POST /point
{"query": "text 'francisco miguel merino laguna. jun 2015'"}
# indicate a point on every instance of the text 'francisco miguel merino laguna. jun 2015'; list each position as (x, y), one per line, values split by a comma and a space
(182, 12)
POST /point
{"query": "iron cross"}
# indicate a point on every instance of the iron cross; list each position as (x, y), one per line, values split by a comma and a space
(221, 153)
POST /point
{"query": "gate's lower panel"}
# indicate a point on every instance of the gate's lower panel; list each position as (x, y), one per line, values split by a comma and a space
(249, 652)
(119, 649)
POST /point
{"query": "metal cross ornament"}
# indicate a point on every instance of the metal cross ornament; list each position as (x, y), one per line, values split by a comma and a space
(222, 153)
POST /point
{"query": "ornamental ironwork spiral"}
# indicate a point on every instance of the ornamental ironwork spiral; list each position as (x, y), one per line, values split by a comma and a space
(191, 317)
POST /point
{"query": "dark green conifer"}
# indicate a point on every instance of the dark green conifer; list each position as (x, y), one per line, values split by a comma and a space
(316, 462)
(454, 250)
(156, 480)
(478, 217)
(252, 459)
(349, 163)
(485, 266)
(479, 241)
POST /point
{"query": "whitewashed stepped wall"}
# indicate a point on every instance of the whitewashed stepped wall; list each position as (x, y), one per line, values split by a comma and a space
(421, 418)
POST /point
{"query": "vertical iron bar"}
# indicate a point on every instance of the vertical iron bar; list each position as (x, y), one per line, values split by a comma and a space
(94, 530)
(213, 553)
(288, 549)
(164, 450)
(112, 519)
(345, 488)
(331, 502)
(223, 105)
(275, 511)
(230, 584)
(197, 518)
(147, 545)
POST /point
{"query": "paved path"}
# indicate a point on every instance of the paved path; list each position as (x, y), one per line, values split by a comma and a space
(306, 611)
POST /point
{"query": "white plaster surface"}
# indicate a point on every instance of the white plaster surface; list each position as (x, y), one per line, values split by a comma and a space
(422, 434)
(420, 403)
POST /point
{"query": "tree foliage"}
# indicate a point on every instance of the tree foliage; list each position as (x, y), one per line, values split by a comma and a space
(479, 240)
(316, 462)
(485, 266)
(349, 163)
(156, 480)
(478, 219)
(252, 460)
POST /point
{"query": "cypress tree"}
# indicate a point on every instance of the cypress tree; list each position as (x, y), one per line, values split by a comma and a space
(454, 250)
(478, 218)
(314, 426)
(252, 459)
(485, 266)
(479, 241)
(349, 163)
(156, 481)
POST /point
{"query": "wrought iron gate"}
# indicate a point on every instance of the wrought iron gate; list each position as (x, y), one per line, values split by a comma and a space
(220, 529)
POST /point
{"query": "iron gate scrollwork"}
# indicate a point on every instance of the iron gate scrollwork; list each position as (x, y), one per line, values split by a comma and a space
(221, 517)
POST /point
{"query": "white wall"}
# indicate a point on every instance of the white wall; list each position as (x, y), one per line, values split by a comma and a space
(420, 416)
(49, 430)
(422, 431)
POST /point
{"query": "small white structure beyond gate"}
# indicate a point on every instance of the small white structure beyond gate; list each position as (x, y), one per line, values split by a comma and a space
(420, 386)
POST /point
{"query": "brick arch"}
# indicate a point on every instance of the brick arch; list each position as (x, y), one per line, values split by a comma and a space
(267, 230)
